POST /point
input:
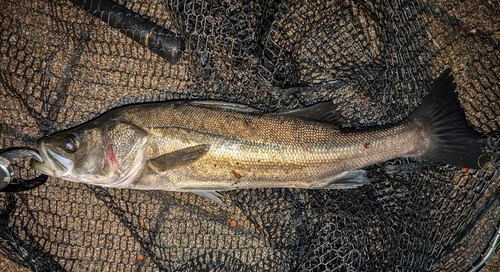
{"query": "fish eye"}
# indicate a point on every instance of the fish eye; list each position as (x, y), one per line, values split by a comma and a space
(70, 143)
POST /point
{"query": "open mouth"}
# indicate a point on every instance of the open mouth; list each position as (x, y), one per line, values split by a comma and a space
(53, 164)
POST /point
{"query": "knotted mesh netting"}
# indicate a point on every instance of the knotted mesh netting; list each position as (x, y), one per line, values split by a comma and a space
(64, 62)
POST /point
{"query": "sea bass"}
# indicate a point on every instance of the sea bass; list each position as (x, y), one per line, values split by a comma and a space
(208, 146)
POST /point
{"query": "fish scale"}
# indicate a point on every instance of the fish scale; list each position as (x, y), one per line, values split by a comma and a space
(266, 144)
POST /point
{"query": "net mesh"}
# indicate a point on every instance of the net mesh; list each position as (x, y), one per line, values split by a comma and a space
(62, 65)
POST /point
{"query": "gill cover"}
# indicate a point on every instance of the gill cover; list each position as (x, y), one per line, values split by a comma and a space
(124, 143)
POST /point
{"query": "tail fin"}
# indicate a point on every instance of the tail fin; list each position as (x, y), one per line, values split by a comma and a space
(454, 141)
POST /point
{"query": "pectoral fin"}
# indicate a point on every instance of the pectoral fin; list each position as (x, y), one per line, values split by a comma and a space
(178, 158)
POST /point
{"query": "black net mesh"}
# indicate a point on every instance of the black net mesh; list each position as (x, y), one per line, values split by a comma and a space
(65, 62)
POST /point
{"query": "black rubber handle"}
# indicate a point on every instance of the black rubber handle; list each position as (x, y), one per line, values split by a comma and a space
(161, 41)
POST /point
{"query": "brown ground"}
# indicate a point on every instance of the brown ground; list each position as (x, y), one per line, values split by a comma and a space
(103, 78)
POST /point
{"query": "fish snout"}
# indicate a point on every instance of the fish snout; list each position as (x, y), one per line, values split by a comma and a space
(43, 166)
(52, 163)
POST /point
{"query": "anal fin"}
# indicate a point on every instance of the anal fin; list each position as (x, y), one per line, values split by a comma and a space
(348, 180)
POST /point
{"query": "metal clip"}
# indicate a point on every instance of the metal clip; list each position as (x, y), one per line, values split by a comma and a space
(7, 181)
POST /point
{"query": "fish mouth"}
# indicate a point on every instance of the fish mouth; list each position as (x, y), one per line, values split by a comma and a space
(53, 164)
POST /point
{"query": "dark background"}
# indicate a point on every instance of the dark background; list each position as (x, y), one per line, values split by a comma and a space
(60, 66)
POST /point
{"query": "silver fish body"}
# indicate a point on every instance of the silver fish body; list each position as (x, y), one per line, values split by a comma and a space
(211, 146)
(258, 151)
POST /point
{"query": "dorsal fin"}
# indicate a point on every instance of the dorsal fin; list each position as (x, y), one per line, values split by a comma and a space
(322, 112)
(224, 106)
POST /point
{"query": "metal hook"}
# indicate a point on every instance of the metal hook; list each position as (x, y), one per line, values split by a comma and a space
(7, 182)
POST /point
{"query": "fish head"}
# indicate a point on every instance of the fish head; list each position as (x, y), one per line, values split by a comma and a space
(73, 154)
(102, 153)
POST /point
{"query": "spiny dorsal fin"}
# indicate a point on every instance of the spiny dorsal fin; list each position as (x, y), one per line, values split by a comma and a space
(322, 112)
(224, 106)
(178, 158)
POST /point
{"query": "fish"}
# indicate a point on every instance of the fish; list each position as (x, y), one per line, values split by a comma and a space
(206, 147)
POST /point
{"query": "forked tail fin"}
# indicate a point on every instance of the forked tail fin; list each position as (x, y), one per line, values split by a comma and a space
(453, 140)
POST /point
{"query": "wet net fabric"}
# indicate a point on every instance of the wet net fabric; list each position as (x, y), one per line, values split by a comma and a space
(65, 62)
